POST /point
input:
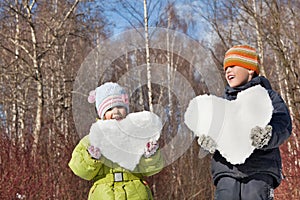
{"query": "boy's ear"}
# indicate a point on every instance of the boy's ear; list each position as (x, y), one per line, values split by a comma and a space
(251, 72)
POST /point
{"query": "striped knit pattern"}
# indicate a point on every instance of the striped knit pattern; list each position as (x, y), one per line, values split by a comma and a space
(110, 95)
(243, 56)
(110, 102)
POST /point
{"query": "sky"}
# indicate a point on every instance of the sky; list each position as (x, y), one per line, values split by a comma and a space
(131, 13)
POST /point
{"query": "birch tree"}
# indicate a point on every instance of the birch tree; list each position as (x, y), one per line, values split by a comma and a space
(42, 46)
(148, 56)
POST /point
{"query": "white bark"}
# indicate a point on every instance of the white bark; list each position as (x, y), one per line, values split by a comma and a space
(148, 57)
(169, 68)
(14, 126)
(259, 37)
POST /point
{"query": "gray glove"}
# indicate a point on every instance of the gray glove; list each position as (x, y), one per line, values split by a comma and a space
(261, 136)
(207, 143)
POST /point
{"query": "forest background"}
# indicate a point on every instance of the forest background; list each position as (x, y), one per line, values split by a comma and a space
(44, 42)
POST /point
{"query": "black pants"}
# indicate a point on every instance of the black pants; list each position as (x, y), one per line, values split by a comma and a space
(254, 188)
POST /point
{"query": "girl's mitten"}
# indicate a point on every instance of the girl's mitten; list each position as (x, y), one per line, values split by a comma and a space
(94, 152)
(150, 149)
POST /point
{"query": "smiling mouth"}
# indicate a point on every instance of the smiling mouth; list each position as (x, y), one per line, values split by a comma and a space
(230, 77)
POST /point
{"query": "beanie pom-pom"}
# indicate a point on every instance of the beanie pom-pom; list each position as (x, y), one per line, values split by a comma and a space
(125, 98)
(92, 96)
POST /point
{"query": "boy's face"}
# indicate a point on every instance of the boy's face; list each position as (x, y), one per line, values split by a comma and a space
(237, 76)
(117, 113)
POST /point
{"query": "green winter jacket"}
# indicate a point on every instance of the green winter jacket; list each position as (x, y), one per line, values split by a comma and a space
(106, 175)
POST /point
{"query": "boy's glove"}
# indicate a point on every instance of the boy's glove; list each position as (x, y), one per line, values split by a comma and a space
(202, 153)
(150, 149)
(207, 143)
(261, 136)
(94, 152)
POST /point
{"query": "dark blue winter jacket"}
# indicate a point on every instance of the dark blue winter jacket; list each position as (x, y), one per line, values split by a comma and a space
(268, 159)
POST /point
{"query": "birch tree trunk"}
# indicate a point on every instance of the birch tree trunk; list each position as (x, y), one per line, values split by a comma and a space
(14, 126)
(39, 91)
(148, 56)
(169, 67)
(259, 36)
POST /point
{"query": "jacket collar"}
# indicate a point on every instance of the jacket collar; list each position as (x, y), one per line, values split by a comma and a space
(231, 93)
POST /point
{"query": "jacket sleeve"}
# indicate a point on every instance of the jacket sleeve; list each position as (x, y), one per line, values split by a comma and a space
(82, 164)
(152, 165)
(281, 121)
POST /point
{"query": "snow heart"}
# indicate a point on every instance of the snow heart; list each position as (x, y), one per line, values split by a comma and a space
(124, 141)
(229, 123)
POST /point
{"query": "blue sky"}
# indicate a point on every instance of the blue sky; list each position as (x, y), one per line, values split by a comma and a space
(124, 17)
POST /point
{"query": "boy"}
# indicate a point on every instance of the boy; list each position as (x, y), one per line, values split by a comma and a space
(261, 173)
(112, 182)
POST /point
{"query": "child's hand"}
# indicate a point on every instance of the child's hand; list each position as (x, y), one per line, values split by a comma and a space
(94, 152)
(261, 136)
(207, 143)
(150, 149)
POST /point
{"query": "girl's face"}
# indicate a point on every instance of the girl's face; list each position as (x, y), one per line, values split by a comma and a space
(237, 76)
(117, 113)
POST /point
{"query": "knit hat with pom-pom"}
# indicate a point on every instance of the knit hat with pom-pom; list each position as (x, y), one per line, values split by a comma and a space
(243, 56)
(107, 96)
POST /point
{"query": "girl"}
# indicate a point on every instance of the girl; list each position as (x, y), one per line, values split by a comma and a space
(110, 181)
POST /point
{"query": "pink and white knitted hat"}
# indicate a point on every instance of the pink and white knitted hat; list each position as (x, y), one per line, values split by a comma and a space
(107, 96)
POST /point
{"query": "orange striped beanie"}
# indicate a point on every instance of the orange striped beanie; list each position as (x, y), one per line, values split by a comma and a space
(243, 56)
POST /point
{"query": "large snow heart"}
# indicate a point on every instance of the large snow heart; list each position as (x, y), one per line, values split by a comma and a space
(123, 142)
(229, 123)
